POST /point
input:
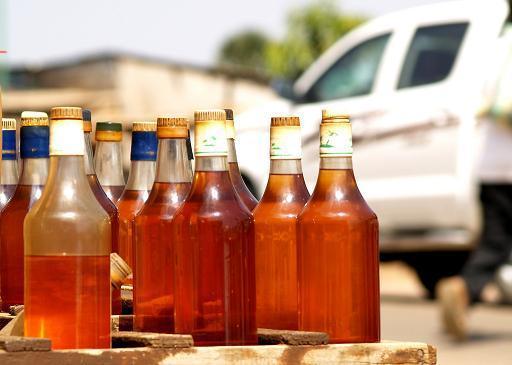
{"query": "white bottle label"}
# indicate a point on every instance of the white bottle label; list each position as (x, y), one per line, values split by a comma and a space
(66, 137)
(285, 143)
(210, 138)
(335, 139)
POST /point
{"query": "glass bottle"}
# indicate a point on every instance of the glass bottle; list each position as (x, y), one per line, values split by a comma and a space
(140, 181)
(338, 246)
(9, 173)
(108, 159)
(154, 276)
(234, 171)
(275, 221)
(102, 198)
(67, 248)
(34, 136)
(213, 234)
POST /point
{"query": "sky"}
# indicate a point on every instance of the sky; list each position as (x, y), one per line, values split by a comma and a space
(36, 32)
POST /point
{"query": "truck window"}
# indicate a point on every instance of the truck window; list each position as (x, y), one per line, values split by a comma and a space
(431, 55)
(353, 74)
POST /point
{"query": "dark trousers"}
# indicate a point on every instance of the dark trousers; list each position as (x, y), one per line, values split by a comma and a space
(496, 241)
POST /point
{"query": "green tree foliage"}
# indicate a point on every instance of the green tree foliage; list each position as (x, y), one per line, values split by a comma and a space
(310, 31)
(245, 50)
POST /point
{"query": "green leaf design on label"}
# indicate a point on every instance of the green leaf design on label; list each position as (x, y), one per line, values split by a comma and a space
(325, 142)
(210, 141)
(275, 146)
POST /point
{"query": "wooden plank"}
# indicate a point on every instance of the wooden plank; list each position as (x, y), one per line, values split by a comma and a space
(17, 344)
(294, 338)
(387, 353)
(126, 339)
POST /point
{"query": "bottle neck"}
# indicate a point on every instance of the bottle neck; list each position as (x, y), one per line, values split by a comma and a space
(66, 177)
(108, 163)
(212, 163)
(173, 165)
(232, 151)
(34, 171)
(336, 163)
(9, 174)
(142, 175)
(285, 167)
(88, 156)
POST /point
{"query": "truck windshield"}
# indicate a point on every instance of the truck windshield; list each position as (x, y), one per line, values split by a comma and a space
(351, 75)
(432, 54)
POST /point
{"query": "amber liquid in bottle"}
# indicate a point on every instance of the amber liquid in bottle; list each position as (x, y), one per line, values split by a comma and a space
(67, 248)
(105, 203)
(338, 258)
(275, 222)
(154, 264)
(213, 233)
(234, 171)
(140, 180)
(34, 153)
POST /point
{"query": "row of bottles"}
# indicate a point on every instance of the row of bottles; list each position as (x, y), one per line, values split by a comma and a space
(208, 258)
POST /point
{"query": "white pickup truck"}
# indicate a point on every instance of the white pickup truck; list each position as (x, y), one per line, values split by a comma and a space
(417, 84)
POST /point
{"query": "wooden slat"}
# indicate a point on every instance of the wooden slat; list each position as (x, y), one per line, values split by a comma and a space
(387, 353)
(293, 338)
(126, 339)
(17, 344)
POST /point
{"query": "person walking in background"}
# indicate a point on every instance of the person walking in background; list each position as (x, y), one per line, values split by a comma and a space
(456, 294)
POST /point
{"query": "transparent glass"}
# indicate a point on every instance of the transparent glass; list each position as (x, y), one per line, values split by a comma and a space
(338, 258)
(275, 222)
(8, 181)
(108, 206)
(236, 178)
(154, 275)
(67, 261)
(213, 235)
(140, 181)
(33, 177)
(108, 164)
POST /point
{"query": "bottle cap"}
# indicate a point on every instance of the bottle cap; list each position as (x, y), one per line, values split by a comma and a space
(210, 133)
(8, 124)
(285, 138)
(144, 141)
(66, 112)
(9, 139)
(335, 135)
(329, 114)
(144, 127)
(109, 131)
(87, 118)
(172, 127)
(34, 119)
(230, 124)
(291, 121)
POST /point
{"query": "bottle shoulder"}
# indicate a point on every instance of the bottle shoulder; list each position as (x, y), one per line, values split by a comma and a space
(342, 210)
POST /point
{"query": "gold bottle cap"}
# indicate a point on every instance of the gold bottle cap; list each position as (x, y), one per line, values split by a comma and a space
(210, 114)
(66, 112)
(86, 117)
(144, 126)
(172, 127)
(289, 121)
(30, 118)
(109, 132)
(334, 116)
(8, 124)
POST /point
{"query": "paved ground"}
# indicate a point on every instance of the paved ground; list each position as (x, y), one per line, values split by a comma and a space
(408, 317)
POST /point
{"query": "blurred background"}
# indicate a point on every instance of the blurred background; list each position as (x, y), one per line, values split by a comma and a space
(428, 85)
